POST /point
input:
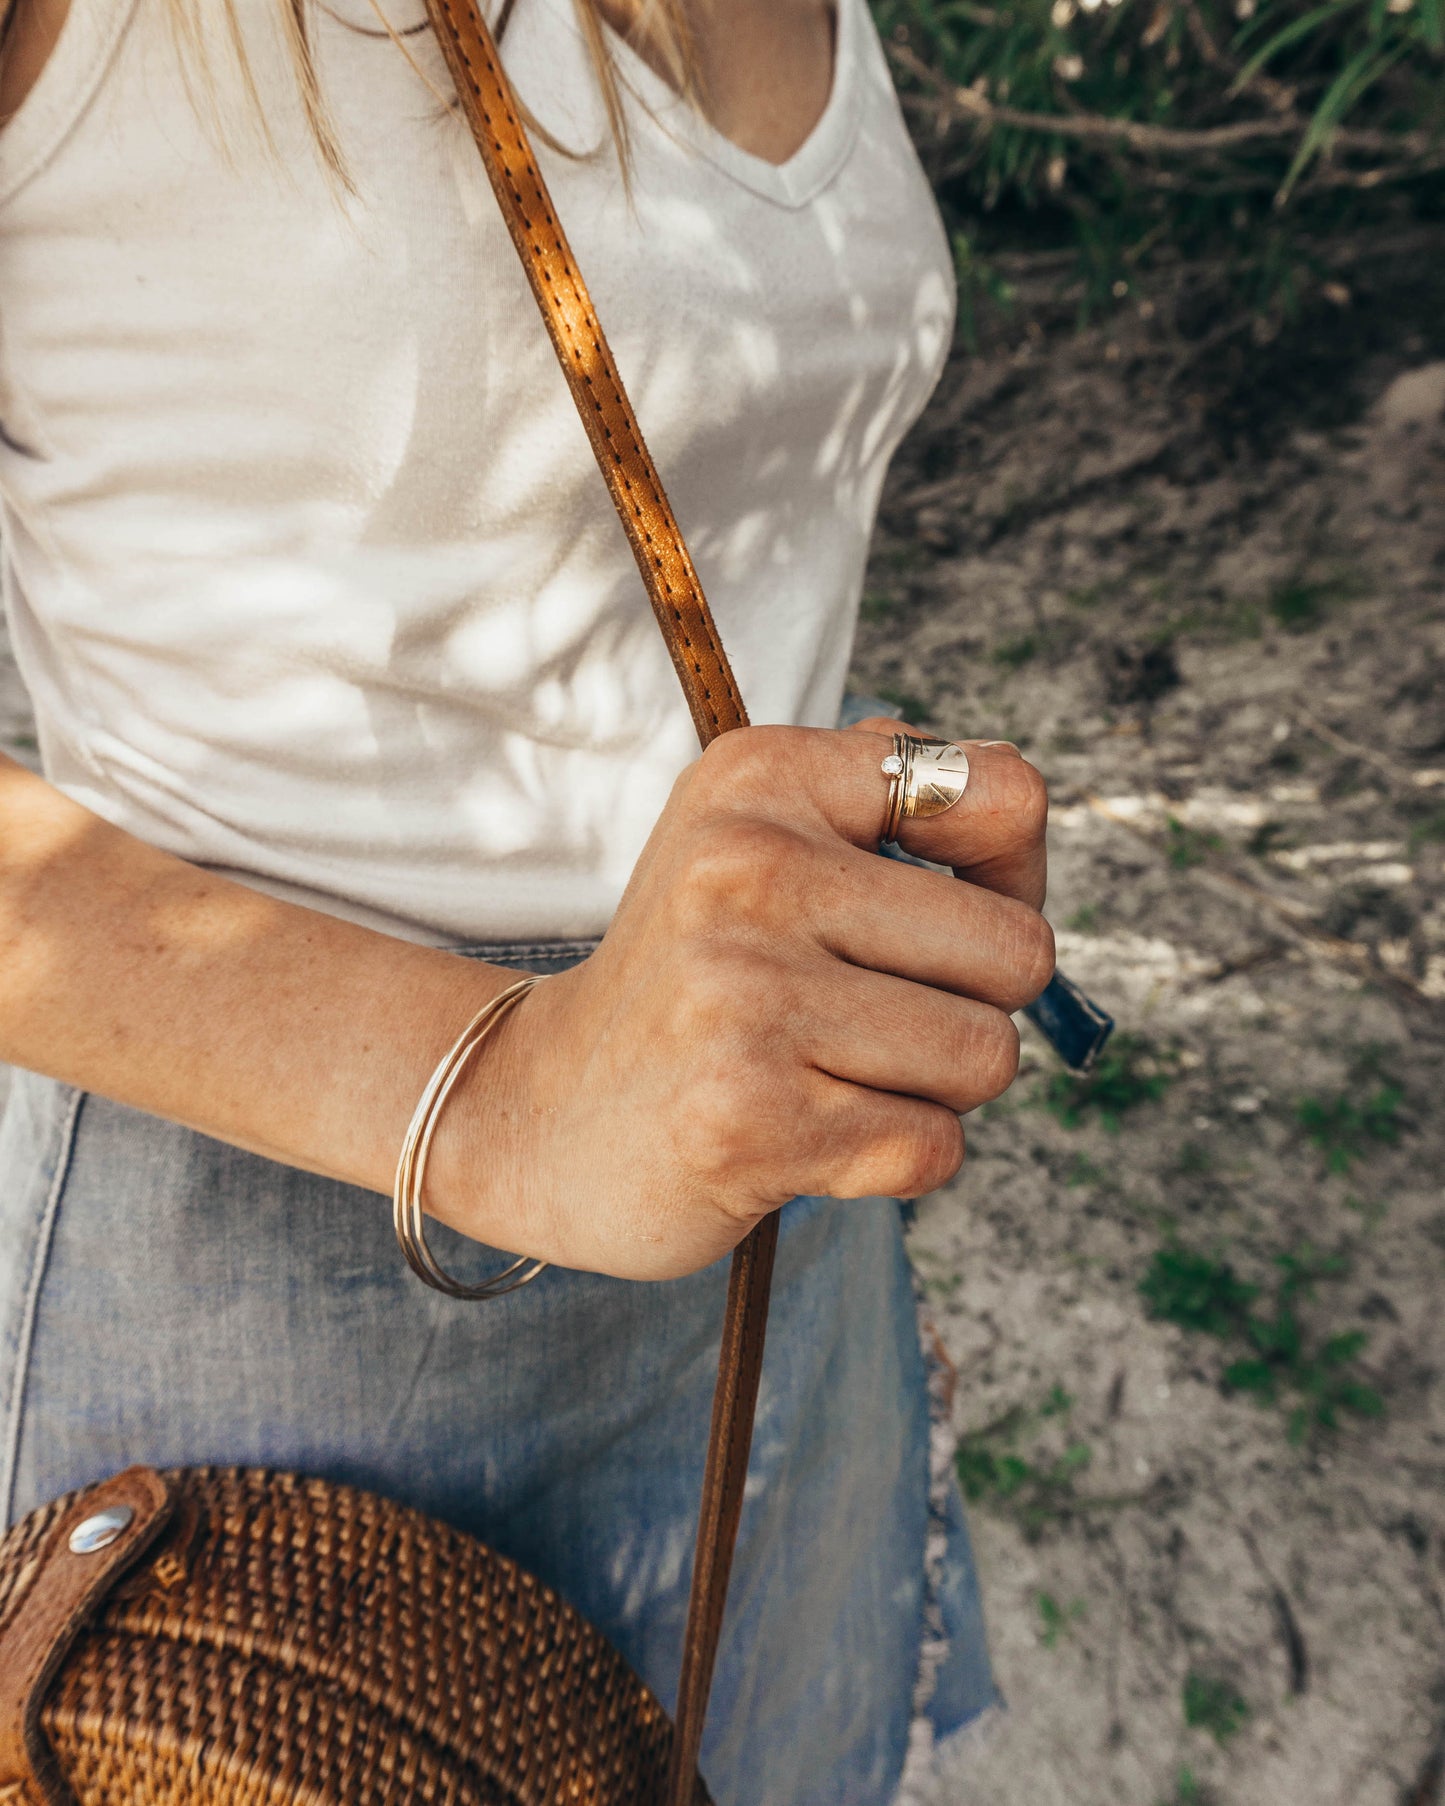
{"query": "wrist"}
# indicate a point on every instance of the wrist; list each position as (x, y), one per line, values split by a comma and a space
(408, 1007)
(480, 1175)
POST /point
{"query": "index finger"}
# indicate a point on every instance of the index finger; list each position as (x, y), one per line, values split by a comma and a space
(993, 835)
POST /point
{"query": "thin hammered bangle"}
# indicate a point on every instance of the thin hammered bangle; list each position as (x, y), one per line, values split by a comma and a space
(406, 1197)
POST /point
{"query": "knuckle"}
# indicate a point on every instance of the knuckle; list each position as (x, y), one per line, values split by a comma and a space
(995, 1060)
(1044, 958)
(736, 868)
(1019, 802)
(741, 1120)
(1027, 800)
(715, 1129)
(1031, 957)
(731, 1036)
(927, 1157)
(739, 761)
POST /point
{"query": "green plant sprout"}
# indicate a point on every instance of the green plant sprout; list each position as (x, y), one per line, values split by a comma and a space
(910, 708)
(1185, 846)
(1034, 1491)
(1195, 1292)
(1277, 1358)
(1343, 1126)
(1131, 1071)
(1055, 1619)
(1214, 1705)
(1084, 1172)
(1298, 605)
(1187, 1791)
(1370, 1210)
(1016, 652)
(1193, 1160)
(1430, 828)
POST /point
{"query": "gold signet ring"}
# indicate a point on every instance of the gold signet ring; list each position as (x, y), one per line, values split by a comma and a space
(937, 778)
(925, 777)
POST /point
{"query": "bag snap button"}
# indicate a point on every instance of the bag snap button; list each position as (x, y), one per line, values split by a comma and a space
(100, 1531)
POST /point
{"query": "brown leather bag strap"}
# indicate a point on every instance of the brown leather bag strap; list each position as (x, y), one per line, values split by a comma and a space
(70, 1579)
(582, 350)
(491, 111)
(739, 1368)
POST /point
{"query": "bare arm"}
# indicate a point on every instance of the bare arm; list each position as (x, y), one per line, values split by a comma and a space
(131, 973)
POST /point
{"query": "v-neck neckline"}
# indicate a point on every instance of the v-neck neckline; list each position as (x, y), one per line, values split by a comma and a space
(797, 180)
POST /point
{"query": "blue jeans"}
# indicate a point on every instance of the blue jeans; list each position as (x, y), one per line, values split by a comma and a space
(170, 1299)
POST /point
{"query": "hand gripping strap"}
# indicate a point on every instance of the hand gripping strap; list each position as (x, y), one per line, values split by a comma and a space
(687, 626)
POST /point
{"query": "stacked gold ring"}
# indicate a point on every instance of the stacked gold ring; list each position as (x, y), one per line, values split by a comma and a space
(925, 777)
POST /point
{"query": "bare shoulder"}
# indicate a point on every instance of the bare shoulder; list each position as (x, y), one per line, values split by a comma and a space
(30, 33)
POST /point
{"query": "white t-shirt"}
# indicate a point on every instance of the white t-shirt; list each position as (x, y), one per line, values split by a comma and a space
(309, 569)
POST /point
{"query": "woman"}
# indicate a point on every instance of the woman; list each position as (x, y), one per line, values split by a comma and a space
(342, 672)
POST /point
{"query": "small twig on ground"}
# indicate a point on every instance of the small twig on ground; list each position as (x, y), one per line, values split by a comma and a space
(1410, 150)
(1425, 1791)
(1296, 1653)
(1352, 749)
(1249, 961)
(1294, 917)
(1277, 94)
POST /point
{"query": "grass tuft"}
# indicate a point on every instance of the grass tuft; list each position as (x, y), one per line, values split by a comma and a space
(1187, 1790)
(1185, 846)
(1298, 606)
(1035, 1489)
(1214, 1705)
(1055, 1620)
(1195, 1292)
(1278, 1360)
(1016, 652)
(1131, 1071)
(1344, 1127)
(910, 708)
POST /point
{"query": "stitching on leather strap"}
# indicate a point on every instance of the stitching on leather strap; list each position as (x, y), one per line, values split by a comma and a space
(561, 319)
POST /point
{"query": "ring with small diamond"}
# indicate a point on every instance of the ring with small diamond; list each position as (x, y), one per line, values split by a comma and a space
(925, 777)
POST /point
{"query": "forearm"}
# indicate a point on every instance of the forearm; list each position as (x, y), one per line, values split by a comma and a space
(131, 973)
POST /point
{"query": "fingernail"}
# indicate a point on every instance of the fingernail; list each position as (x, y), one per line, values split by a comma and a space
(1005, 743)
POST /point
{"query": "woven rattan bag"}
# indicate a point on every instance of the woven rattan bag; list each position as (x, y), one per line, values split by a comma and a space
(280, 1640)
(217, 1638)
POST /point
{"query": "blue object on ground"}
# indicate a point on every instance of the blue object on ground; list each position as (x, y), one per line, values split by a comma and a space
(1073, 1024)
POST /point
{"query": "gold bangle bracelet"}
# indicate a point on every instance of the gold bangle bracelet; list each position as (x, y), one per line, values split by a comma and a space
(406, 1197)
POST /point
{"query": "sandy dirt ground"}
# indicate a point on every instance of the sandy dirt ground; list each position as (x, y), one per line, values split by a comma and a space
(1207, 600)
(1200, 582)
